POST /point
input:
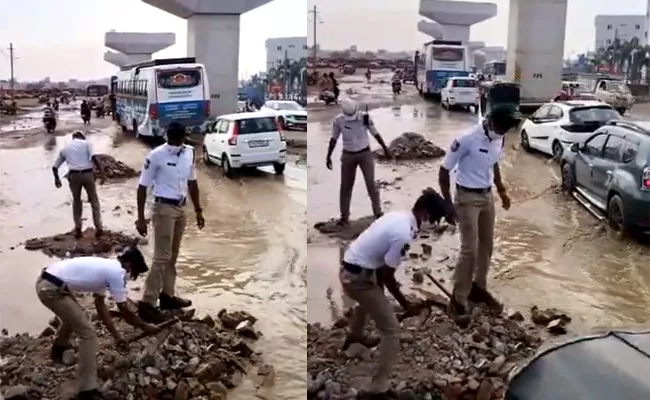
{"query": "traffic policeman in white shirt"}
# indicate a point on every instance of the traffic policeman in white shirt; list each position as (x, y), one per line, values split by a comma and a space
(170, 169)
(369, 264)
(55, 286)
(80, 157)
(476, 155)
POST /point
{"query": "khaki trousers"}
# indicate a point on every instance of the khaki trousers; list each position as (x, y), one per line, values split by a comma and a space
(168, 226)
(73, 319)
(366, 162)
(476, 225)
(364, 290)
(85, 180)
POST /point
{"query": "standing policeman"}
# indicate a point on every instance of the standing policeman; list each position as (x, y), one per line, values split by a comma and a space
(476, 153)
(170, 169)
(354, 126)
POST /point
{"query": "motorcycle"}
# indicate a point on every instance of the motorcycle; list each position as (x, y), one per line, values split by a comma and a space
(100, 112)
(397, 87)
(50, 124)
(85, 116)
(328, 97)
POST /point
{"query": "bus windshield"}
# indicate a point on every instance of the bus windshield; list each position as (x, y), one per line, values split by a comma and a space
(179, 78)
(96, 90)
(448, 54)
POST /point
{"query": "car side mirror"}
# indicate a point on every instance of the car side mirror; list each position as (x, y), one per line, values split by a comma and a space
(575, 147)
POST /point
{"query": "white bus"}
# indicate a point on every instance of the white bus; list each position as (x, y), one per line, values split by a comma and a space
(495, 70)
(151, 95)
(438, 61)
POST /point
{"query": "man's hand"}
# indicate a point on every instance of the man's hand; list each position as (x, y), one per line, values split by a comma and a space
(505, 199)
(57, 183)
(200, 221)
(141, 226)
(328, 163)
(387, 152)
(451, 216)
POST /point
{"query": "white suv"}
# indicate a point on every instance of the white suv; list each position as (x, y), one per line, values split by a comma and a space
(290, 114)
(557, 125)
(241, 140)
(459, 92)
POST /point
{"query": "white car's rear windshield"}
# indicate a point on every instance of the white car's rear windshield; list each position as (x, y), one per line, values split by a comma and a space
(581, 115)
(463, 83)
(256, 125)
(287, 106)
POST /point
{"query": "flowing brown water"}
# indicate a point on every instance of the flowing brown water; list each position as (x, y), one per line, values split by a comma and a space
(251, 255)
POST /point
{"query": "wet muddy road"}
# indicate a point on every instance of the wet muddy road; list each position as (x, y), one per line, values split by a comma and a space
(251, 254)
(549, 250)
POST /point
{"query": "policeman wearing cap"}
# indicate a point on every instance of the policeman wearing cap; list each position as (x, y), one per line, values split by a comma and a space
(81, 157)
(55, 286)
(353, 126)
(475, 155)
(170, 169)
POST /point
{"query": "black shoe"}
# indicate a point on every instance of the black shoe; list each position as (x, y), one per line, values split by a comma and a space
(90, 395)
(78, 234)
(57, 353)
(481, 295)
(343, 222)
(99, 233)
(150, 313)
(168, 302)
(364, 340)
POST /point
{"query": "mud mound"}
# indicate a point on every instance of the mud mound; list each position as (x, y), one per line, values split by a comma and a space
(65, 245)
(411, 146)
(437, 358)
(190, 359)
(345, 232)
(114, 169)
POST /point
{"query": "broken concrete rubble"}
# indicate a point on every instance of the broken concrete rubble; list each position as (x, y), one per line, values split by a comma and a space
(66, 245)
(437, 358)
(193, 359)
(114, 169)
(411, 146)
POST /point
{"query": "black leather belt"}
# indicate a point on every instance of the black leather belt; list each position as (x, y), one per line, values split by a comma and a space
(358, 151)
(173, 202)
(80, 171)
(355, 269)
(474, 190)
(52, 279)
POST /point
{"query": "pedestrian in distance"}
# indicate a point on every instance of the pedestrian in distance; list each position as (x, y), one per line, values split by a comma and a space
(476, 156)
(170, 169)
(80, 157)
(54, 288)
(369, 265)
(353, 126)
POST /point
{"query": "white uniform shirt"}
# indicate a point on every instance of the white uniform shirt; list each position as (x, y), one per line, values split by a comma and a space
(168, 169)
(475, 155)
(384, 242)
(354, 132)
(92, 275)
(78, 155)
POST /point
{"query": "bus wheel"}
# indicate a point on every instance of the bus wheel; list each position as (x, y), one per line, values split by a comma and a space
(135, 128)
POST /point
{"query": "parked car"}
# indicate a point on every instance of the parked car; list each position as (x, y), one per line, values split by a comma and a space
(459, 92)
(609, 173)
(559, 124)
(242, 140)
(291, 115)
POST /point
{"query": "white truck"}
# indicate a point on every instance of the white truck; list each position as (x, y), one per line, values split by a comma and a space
(535, 61)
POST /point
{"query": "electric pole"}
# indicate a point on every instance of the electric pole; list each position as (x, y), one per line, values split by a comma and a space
(314, 16)
(11, 67)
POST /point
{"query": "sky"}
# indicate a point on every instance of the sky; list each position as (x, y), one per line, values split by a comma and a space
(392, 24)
(64, 39)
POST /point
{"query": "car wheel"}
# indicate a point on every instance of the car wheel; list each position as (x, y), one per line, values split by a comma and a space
(225, 166)
(616, 214)
(206, 157)
(568, 178)
(525, 144)
(557, 150)
(279, 168)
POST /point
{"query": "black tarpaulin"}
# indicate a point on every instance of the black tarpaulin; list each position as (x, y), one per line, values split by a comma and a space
(611, 366)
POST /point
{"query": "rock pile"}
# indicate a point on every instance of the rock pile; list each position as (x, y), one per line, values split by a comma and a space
(411, 146)
(437, 358)
(197, 359)
(66, 245)
(114, 169)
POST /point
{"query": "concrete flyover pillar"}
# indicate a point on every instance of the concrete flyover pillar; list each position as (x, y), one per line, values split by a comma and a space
(138, 47)
(213, 39)
(456, 17)
(117, 59)
(531, 61)
(430, 28)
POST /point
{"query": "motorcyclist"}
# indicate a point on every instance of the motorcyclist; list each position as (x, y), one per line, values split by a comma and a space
(49, 115)
(85, 111)
(396, 82)
(368, 75)
(55, 105)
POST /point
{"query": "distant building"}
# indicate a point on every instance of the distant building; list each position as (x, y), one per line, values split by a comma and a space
(623, 27)
(291, 48)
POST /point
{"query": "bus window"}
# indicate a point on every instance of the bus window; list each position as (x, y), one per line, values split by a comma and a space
(179, 78)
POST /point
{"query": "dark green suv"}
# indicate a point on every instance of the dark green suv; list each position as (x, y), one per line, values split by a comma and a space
(609, 173)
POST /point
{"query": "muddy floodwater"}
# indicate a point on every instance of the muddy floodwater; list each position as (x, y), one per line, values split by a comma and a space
(251, 255)
(548, 251)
